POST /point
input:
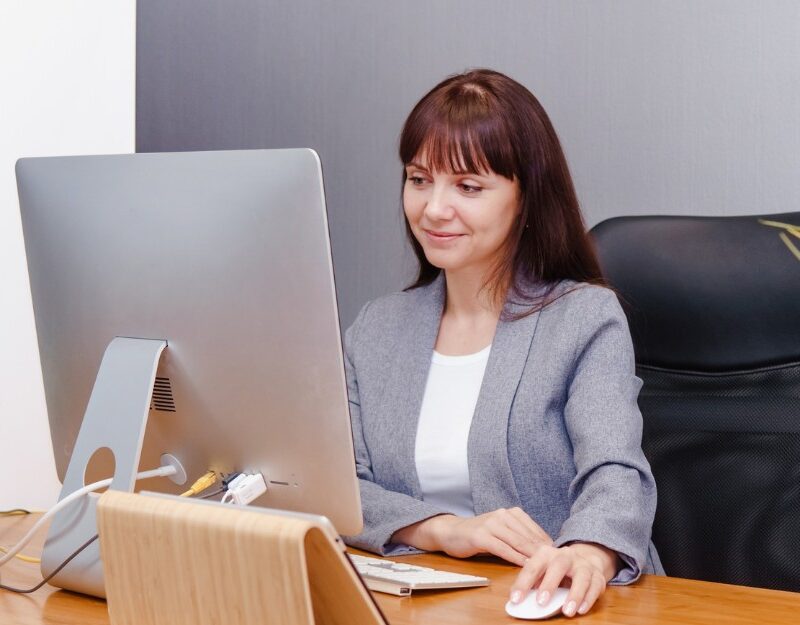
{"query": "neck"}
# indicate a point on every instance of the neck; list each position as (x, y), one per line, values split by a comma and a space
(466, 296)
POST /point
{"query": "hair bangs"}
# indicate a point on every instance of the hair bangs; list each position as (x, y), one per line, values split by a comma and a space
(460, 135)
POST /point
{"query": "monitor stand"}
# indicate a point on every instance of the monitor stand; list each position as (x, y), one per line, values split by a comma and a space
(173, 561)
(116, 418)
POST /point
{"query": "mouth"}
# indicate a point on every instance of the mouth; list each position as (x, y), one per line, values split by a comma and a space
(441, 237)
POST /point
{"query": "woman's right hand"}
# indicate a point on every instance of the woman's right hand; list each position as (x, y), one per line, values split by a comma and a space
(508, 533)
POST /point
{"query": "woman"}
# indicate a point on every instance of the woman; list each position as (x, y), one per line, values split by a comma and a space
(494, 401)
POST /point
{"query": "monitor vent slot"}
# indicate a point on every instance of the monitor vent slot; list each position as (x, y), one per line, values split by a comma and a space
(162, 396)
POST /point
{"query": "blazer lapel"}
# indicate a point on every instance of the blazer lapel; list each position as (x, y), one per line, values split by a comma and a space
(402, 400)
(487, 449)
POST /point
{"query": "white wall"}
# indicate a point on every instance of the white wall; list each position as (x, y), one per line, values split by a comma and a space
(67, 86)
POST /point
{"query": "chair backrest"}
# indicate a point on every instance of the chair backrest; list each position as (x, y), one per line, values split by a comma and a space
(714, 309)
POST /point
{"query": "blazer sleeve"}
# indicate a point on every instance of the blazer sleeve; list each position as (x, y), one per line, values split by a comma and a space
(385, 511)
(613, 494)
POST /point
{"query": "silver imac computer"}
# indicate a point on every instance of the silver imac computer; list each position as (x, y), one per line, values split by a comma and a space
(186, 313)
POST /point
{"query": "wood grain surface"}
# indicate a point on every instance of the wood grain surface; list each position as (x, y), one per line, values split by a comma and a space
(203, 564)
(652, 600)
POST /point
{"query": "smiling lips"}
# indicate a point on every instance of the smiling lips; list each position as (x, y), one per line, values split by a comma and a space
(441, 237)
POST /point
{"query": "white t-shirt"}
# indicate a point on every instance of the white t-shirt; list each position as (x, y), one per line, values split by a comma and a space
(448, 404)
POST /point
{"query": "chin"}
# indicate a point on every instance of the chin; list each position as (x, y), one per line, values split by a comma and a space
(443, 261)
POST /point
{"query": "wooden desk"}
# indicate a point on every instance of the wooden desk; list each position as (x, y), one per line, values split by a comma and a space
(657, 600)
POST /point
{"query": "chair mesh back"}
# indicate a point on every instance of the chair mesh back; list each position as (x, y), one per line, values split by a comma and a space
(727, 466)
(718, 349)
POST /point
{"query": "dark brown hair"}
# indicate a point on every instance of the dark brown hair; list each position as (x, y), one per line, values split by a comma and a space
(483, 120)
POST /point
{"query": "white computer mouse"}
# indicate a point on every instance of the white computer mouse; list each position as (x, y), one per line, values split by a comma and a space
(529, 609)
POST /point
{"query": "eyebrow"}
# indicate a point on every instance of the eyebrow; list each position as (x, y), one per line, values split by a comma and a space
(455, 173)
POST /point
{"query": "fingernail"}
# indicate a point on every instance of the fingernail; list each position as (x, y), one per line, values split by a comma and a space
(584, 608)
(570, 609)
(516, 596)
(543, 597)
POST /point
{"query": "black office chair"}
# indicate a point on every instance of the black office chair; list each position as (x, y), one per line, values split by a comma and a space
(714, 309)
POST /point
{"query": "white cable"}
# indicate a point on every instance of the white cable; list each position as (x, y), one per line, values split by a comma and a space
(12, 551)
(245, 488)
(248, 490)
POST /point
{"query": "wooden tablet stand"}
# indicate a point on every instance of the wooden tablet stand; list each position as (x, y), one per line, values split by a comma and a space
(182, 562)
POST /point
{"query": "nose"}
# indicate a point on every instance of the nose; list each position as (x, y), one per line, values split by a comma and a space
(437, 206)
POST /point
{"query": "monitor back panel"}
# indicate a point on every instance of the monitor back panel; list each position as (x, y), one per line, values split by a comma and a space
(226, 255)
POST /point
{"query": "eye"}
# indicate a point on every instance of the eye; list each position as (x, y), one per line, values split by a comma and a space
(416, 180)
(470, 189)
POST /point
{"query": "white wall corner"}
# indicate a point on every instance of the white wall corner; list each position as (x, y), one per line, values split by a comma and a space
(68, 82)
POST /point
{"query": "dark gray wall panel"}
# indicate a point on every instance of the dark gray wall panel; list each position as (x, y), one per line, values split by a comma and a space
(663, 107)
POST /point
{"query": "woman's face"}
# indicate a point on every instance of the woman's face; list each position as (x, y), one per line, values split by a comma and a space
(461, 220)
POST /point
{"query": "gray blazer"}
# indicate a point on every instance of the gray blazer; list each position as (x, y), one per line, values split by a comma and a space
(556, 430)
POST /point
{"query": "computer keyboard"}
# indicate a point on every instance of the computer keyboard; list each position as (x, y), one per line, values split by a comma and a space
(396, 578)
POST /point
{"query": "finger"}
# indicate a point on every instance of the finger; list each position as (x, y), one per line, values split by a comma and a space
(581, 581)
(556, 570)
(492, 544)
(596, 588)
(518, 540)
(524, 529)
(531, 573)
(531, 526)
(536, 531)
